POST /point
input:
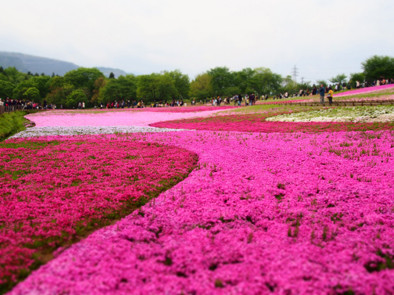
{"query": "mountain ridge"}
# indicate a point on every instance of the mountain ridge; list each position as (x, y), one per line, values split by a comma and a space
(37, 64)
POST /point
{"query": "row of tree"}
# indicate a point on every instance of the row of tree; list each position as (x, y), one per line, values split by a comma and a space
(90, 86)
(375, 68)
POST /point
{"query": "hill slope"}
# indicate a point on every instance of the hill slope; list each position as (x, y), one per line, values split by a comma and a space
(34, 64)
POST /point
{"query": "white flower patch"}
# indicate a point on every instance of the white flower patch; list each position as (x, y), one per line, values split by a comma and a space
(60, 130)
(344, 114)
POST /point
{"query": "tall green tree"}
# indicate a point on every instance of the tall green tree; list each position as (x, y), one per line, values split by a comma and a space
(338, 79)
(201, 86)
(33, 94)
(110, 92)
(55, 82)
(125, 87)
(6, 89)
(221, 80)
(167, 88)
(128, 85)
(14, 76)
(378, 67)
(58, 96)
(156, 87)
(58, 90)
(99, 84)
(289, 85)
(41, 83)
(360, 77)
(83, 78)
(147, 87)
(75, 97)
(264, 81)
(243, 80)
(21, 87)
(3, 77)
(181, 83)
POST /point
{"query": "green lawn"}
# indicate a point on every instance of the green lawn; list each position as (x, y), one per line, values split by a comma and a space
(11, 123)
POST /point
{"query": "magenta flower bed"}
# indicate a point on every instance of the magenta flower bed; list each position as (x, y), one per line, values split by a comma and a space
(275, 213)
(364, 90)
(57, 191)
(257, 123)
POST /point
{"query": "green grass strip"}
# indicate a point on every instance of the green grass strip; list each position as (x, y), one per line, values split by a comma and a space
(11, 123)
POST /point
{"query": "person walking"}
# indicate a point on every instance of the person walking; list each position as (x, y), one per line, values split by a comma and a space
(322, 91)
(330, 96)
(239, 99)
(251, 99)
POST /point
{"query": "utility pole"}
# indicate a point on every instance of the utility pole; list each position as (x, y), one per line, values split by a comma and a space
(295, 73)
(302, 80)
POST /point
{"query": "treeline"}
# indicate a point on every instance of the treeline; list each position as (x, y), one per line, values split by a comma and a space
(90, 86)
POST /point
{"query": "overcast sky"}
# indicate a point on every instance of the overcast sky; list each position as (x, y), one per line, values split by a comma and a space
(322, 38)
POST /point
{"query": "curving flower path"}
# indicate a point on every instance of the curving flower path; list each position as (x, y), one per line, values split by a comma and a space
(283, 213)
(114, 117)
(364, 90)
(258, 123)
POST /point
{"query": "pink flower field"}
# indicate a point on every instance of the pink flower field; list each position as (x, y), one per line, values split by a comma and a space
(262, 212)
(364, 90)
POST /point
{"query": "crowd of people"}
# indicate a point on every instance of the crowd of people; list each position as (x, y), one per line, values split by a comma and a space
(251, 98)
(315, 89)
(120, 104)
(9, 105)
(247, 99)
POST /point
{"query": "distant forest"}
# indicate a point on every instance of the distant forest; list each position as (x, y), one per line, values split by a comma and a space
(91, 86)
